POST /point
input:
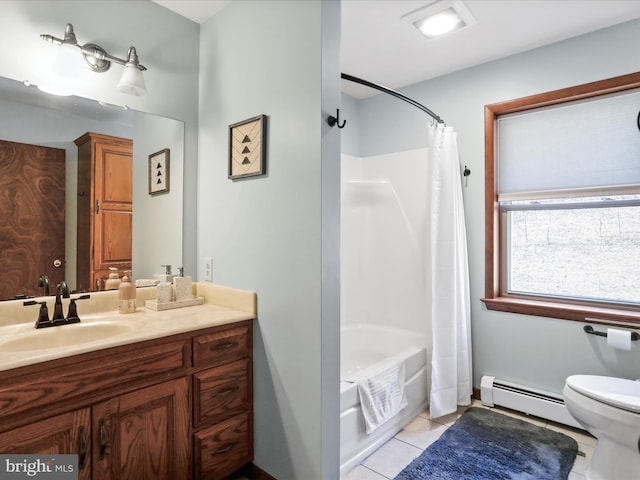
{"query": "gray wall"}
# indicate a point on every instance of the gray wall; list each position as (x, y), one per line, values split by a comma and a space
(535, 351)
(350, 138)
(277, 234)
(157, 219)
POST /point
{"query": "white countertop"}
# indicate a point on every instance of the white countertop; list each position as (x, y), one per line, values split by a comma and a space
(222, 306)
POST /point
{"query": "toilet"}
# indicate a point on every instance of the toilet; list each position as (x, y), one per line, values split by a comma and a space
(609, 408)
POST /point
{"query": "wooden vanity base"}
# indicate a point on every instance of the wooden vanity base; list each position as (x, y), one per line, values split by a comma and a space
(178, 407)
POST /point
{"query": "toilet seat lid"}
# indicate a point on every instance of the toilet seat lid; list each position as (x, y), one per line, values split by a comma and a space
(618, 392)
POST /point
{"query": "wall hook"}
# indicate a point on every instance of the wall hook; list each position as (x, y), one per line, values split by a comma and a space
(465, 173)
(331, 120)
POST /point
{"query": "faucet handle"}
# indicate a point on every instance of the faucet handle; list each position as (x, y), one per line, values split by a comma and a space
(43, 314)
(72, 313)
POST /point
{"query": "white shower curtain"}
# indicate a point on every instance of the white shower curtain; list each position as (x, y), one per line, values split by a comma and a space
(451, 378)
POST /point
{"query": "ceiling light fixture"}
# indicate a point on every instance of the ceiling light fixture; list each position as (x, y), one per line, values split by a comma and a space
(98, 60)
(440, 17)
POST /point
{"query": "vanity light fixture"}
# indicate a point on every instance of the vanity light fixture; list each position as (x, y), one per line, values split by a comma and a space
(440, 17)
(98, 60)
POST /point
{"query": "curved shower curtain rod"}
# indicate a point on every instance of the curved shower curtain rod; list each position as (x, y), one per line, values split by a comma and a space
(336, 120)
(393, 93)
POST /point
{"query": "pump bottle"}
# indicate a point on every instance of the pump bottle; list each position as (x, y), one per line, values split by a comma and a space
(126, 294)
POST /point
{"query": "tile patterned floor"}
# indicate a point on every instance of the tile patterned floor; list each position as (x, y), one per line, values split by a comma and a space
(389, 460)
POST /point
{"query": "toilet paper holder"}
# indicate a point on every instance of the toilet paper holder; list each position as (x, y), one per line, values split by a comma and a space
(589, 329)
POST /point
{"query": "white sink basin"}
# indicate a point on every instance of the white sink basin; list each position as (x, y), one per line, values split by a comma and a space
(67, 335)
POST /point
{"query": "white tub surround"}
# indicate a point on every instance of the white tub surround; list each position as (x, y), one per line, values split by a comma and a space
(363, 347)
(384, 311)
(223, 305)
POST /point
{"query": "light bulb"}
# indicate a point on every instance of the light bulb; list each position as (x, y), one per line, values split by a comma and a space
(440, 23)
(132, 81)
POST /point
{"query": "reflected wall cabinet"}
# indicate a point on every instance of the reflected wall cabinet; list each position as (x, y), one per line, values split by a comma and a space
(105, 208)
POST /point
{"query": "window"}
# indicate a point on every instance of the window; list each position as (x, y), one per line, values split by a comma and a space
(562, 206)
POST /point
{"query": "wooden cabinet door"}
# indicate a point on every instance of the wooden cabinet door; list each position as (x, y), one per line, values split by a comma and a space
(114, 201)
(144, 434)
(68, 433)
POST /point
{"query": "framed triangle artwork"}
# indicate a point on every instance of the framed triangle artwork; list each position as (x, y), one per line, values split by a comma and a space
(159, 172)
(248, 147)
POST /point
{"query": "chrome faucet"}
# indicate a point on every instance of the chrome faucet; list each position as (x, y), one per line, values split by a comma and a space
(43, 282)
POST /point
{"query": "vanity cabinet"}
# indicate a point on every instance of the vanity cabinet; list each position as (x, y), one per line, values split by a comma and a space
(105, 208)
(175, 408)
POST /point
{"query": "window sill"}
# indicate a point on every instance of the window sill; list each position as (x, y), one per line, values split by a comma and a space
(579, 313)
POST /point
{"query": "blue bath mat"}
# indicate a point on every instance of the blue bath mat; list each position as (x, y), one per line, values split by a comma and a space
(485, 445)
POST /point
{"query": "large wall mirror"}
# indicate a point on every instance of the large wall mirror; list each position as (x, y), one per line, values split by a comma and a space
(31, 117)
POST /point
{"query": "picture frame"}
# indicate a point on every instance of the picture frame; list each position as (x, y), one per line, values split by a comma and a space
(159, 172)
(248, 147)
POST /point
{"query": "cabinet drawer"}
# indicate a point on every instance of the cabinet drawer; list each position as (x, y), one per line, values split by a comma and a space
(93, 375)
(220, 450)
(221, 347)
(221, 392)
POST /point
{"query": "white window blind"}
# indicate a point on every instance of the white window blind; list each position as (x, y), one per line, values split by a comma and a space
(575, 147)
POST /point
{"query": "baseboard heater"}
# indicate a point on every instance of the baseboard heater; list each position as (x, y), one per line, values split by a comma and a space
(525, 399)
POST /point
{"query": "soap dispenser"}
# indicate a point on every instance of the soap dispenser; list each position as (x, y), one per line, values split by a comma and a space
(126, 294)
(167, 276)
(114, 280)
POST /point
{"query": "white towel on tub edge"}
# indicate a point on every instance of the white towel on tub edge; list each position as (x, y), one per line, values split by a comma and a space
(381, 391)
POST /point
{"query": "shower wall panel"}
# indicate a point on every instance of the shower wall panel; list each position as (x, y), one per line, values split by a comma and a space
(384, 244)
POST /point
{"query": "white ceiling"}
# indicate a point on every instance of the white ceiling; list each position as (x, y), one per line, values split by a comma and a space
(197, 10)
(377, 45)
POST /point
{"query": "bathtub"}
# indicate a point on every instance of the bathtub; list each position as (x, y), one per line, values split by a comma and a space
(361, 346)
